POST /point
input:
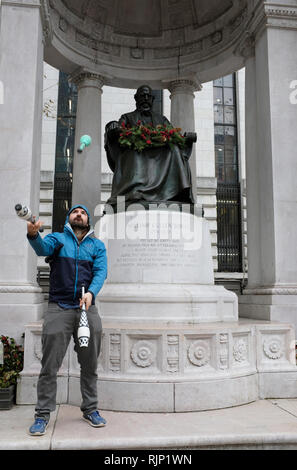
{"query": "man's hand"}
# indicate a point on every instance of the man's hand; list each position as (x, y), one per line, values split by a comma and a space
(32, 229)
(87, 300)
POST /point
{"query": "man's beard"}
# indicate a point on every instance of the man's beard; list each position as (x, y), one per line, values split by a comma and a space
(79, 226)
(144, 107)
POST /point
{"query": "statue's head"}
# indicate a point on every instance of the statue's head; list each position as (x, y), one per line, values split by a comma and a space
(144, 98)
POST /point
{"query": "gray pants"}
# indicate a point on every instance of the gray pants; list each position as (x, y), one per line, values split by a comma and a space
(58, 327)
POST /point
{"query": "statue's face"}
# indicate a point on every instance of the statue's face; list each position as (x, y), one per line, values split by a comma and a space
(144, 99)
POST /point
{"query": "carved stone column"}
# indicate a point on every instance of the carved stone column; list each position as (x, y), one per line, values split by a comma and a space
(21, 299)
(86, 186)
(183, 114)
(271, 142)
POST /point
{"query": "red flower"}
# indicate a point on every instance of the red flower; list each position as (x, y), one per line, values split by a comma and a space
(148, 142)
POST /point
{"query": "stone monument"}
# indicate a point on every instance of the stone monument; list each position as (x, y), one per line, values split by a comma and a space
(160, 288)
(172, 340)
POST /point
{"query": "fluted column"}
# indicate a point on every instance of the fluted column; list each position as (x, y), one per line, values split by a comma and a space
(183, 114)
(86, 185)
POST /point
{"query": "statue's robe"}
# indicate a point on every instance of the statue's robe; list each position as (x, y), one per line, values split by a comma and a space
(155, 175)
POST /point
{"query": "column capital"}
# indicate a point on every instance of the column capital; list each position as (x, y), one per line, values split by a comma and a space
(85, 78)
(184, 85)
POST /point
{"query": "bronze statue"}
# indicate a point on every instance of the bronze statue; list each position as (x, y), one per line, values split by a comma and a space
(155, 175)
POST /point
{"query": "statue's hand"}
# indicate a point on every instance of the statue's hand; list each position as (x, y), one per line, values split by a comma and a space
(191, 137)
(112, 125)
(113, 130)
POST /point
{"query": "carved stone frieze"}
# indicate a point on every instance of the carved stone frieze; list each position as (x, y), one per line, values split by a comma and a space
(284, 12)
(271, 15)
(179, 38)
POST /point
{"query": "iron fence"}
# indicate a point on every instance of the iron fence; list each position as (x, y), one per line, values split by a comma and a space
(62, 200)
(229, 241)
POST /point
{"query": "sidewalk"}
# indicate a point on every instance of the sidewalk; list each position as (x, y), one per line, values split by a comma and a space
(264, 424)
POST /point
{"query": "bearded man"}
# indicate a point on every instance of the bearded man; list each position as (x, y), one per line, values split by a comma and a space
(77, 259)
(155, 175)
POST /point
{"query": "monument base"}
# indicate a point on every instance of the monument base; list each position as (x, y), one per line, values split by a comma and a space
(171, 338)
(158, 368)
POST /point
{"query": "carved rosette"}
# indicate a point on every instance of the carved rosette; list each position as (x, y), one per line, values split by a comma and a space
(273, 348)
(143, 353)
(199, 353)
(240, 350)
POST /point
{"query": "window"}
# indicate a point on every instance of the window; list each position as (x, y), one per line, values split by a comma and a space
(226, 161)
(67, 103)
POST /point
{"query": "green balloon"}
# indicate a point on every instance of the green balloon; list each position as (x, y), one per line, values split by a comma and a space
(85, 141)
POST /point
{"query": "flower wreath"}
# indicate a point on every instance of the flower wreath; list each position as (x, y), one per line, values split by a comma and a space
(141, 136)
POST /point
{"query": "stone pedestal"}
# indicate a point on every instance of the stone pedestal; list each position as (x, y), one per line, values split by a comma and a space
(154, 368)
(21, 65)
(160, 268)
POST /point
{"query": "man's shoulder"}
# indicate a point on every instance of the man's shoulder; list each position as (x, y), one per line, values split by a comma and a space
(97, 242)
(128, 115)
(57, 235)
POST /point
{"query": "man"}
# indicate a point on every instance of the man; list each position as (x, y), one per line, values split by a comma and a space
(77, 258)
(156, 175)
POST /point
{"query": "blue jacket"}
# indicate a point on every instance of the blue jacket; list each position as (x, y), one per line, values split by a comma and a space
(73, 264)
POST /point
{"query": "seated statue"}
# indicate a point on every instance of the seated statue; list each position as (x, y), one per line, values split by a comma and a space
(153, 175)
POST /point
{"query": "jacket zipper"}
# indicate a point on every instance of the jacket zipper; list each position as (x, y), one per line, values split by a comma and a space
(77, 255)
(76, 271)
